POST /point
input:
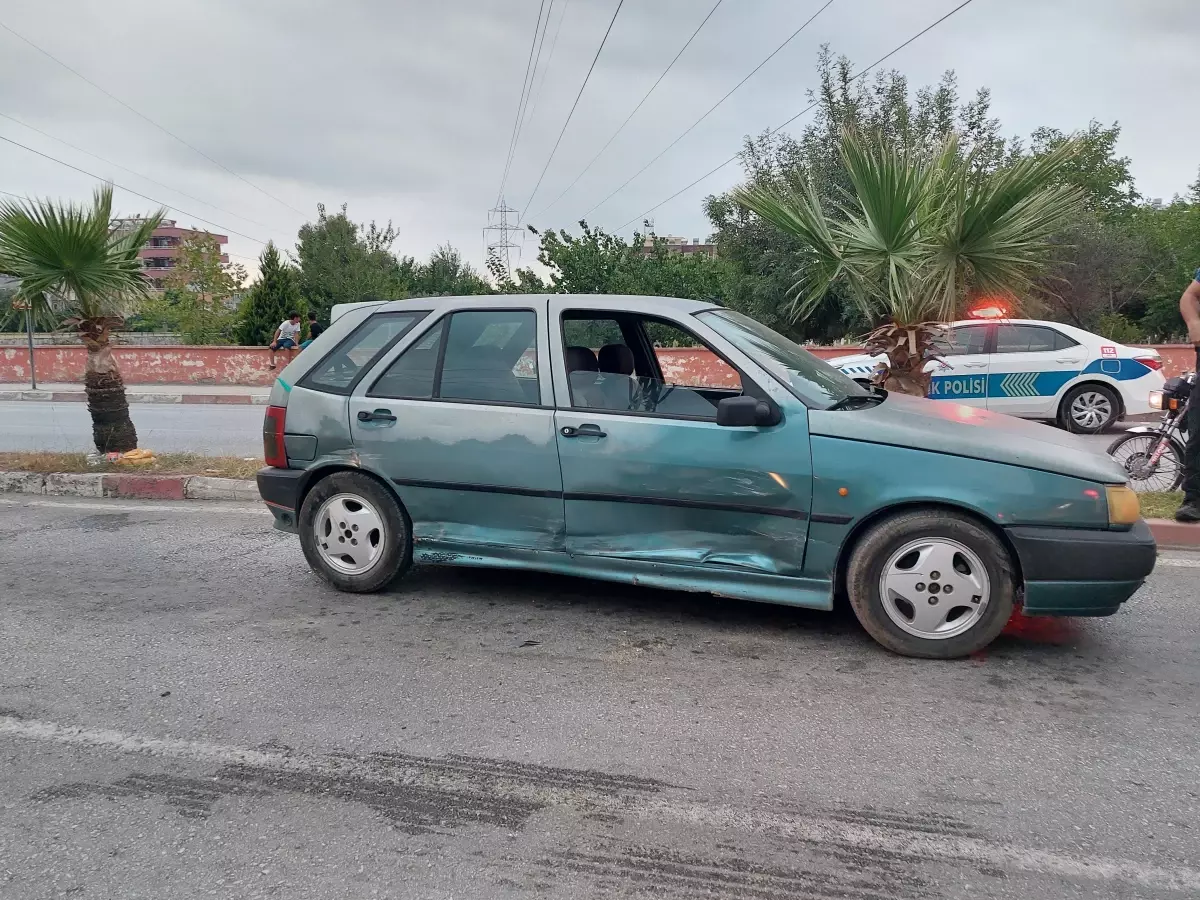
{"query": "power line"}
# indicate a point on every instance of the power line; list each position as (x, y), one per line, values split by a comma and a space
(531, 108)
(109, 162)
(778, 128)
(711, 109)
(586, 78)
(181, 212)
(143, 116)
(621, 127)
(525, 82)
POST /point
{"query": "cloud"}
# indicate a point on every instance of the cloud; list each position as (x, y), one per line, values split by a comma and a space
(405, 110)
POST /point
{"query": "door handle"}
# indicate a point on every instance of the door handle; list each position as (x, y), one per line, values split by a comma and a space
(379, 415)
(974, 365)
(1073, 362)
(582, 431)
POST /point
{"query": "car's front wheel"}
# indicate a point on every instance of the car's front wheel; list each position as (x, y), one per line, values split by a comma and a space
(931, 583)
(354, 533)
(1089, 409)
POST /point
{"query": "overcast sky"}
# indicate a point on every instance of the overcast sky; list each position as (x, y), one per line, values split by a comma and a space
(404, 109)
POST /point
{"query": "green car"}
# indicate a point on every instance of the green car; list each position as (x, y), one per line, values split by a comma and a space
(677, 444)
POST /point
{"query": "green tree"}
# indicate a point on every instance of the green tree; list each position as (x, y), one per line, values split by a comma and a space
(270, 299)
(446, 274)
(77, 271)
(919, 235)
(596, 262)
(1094, 167)
(341, 261)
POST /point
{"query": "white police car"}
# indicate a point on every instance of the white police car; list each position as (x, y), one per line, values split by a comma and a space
(1037, 370)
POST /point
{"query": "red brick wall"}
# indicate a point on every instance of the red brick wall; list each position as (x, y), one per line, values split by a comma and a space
(248, 365)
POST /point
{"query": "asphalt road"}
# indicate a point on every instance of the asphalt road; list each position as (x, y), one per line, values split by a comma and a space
(169, 428)
(186, 712)
(215, 430)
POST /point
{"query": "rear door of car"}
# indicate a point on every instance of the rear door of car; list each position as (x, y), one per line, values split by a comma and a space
(1030, 365)
(961, 375)
(648, 474)
(459, 417)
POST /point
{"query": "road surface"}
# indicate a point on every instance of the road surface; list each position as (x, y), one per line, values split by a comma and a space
(187, 712)
(168, 428)
(216, 430)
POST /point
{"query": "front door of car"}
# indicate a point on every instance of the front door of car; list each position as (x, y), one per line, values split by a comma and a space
(648, 474)
(1029, 366)
(962, 373)
(459, 417)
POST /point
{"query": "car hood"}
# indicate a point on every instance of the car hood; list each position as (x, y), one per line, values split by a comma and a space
(943, 427)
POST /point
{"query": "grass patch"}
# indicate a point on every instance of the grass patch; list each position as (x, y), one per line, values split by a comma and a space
(1161, 506)
(165, 464)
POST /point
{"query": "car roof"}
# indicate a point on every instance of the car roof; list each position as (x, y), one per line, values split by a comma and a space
(594, 301)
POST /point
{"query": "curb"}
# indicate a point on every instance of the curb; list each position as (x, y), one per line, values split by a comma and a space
(118, 485)
(134, 397)
(1175, 535)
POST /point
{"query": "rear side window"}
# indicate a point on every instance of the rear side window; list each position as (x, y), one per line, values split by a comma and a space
(341, 367)
(482, 356)
(1028, 339)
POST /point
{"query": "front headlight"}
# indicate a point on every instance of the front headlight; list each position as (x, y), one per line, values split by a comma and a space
(1156, 399)
(1124, 508)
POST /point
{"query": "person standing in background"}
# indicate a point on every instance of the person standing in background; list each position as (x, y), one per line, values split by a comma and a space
(1189, 308)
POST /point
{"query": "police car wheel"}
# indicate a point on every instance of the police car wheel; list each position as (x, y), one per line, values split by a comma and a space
(1089, 409)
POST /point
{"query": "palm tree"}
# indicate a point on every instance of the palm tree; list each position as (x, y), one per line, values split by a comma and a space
(919, 237)
(77, 271)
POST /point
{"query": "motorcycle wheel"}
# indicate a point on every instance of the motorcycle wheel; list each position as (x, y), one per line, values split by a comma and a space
(1132, 452)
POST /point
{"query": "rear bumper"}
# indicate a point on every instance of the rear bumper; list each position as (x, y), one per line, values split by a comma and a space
(1077, 572)
(280, 490)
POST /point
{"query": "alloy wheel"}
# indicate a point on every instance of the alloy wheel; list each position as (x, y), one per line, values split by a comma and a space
(934, 588)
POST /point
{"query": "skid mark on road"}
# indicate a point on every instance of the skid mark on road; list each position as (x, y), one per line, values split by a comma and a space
(658, 872)
(423, 794)
(190, 797)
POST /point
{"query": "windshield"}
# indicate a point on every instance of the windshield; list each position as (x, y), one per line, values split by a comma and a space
(817, 384)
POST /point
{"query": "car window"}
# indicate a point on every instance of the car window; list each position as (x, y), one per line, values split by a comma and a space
(411, 375)
(685, 361)
(491, 357)
(1062, 342)
(813, 381)
(338, 371)
(1024, 339)
(602, 369)
(964, 340)
(488, 356)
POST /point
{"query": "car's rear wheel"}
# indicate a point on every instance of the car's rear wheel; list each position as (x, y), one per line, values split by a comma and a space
(1089, 409)
(931, 583)
(354, 533)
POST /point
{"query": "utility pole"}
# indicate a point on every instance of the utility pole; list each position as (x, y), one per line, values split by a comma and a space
(501, 248)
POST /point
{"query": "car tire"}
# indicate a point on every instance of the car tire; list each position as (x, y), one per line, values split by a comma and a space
(1081, 406)
(353, 513)
(908, 551)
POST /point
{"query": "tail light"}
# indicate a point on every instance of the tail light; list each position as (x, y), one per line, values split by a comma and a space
(1150, 362)
(274, 451)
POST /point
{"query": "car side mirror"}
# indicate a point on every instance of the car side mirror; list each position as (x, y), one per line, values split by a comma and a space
(739, 412)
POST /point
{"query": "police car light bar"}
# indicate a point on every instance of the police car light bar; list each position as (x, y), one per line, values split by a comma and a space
(989, 309)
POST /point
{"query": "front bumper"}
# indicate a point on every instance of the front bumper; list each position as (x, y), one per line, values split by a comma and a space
(1078, 572)
(280, 490)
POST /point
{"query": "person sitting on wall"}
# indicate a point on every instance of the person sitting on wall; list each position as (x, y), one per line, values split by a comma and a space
(287, 337)
(314, 330)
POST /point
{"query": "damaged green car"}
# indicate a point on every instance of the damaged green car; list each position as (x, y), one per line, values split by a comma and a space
(677, 444)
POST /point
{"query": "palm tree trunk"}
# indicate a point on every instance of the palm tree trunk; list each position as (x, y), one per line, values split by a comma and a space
(112, 428)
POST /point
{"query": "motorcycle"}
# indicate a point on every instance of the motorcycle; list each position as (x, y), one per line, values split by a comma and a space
(1153, 455)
